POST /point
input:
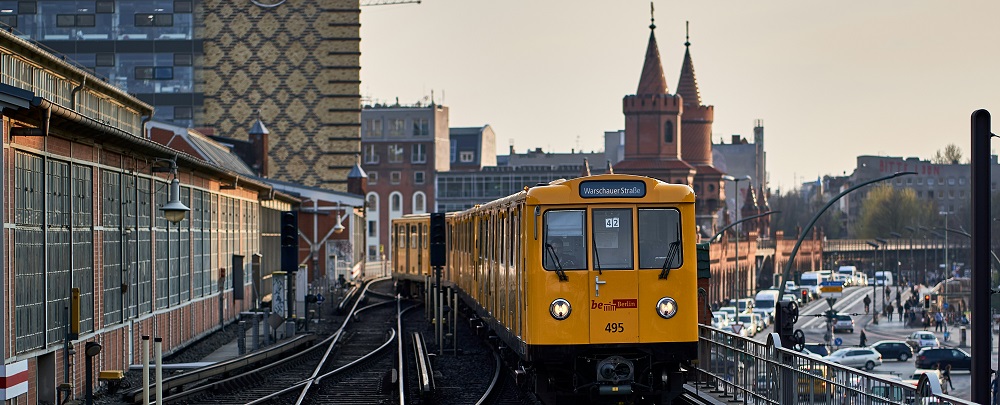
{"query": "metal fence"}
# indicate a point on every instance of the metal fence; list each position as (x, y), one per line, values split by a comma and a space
(746, 371)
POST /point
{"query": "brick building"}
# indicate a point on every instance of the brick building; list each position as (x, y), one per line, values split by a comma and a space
(83, 187)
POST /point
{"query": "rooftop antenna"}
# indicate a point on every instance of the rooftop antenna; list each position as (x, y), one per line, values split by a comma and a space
(611, 169)
(432, 96)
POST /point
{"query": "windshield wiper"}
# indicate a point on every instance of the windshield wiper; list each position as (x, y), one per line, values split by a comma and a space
(670, 257)
(555, 258)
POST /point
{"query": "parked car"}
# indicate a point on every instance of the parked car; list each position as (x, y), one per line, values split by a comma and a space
(761, 322)
(745, 305)
(861, 357)
(928, 357)
(818, 348)
(893, 349)
(843, 322)
(921, 339)
(720, 320)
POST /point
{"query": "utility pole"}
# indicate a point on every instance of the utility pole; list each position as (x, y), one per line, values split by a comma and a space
(981, 221)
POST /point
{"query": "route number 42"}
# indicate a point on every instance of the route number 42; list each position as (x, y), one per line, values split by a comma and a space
(611, 222)
(614, 327)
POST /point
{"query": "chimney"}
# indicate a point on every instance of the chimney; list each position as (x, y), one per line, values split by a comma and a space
(258, 146)
(736, 140)
(357, 179)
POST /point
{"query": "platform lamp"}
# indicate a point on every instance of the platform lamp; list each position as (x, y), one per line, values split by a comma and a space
(91, 349)
(174, 210)
(899, 275)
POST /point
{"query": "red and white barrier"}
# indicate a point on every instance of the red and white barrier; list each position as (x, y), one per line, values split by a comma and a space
(13, 380)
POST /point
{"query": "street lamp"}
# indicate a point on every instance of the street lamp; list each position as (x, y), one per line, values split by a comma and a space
(736, 184)
(874, 284)
(947, 259)
(913, 265)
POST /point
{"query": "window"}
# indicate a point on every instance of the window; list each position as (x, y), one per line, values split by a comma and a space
(372, 229)
(951, 181)
(418, 177)
(9, 20)
(396, 202)
(396, 153)
(372, 205)
(668, 132)
(394, 177)
(453, 150)
(396, 128)
(373, 128)
(75, 20)
(371, 156)
(27, 7)
(421, 127)
(612, 238)
(930, 181)
(419, 203)
(565, 246)
(154, 20)
(182, 59)
(961, 180)
(466, 156)
(419, 154)
(372, 178)
(154, 73)
(183, 6)
(659, 237)
(105, 59)
(183, 113)
(105, 7)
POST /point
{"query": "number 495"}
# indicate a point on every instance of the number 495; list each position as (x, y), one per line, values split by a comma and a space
(615, 327)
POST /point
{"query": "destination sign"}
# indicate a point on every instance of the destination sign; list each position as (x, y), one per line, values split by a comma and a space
(613, 189)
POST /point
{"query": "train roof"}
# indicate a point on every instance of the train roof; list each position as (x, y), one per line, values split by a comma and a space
(611, 188)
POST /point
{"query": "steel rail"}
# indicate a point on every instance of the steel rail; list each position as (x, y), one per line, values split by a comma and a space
(489, 394)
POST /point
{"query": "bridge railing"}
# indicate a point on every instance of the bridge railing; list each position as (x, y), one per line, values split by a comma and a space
(746, 371)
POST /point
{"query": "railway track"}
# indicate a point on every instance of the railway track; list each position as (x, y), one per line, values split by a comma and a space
(259, 384)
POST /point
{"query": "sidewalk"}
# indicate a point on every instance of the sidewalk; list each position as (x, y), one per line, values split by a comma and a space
(897, 330)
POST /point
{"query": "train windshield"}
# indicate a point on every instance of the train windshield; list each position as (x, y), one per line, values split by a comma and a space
(612, 238)
(658, 229)
(565, 242)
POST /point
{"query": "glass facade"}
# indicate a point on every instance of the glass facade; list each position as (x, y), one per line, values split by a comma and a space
(457, 191)
(145, 47)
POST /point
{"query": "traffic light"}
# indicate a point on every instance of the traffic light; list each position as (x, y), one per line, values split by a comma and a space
(805, 296)
(289, 240)
(927, 301)
(438, 236)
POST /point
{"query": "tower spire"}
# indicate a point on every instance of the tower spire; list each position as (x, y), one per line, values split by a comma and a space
(652, 20)
(687, 86)
(651, 81)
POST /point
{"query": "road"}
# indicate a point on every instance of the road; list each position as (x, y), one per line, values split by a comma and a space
(814, 328)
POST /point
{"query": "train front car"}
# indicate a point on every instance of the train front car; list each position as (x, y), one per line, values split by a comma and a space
(612, 296)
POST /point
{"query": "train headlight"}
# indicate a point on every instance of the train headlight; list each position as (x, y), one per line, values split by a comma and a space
(666, 307)
(560, 309)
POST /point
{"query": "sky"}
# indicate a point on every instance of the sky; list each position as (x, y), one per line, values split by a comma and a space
(830, 80)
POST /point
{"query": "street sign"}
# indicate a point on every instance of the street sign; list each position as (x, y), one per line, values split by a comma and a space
(831, 289)
(319, 298)
(737, 327)
(838, 341)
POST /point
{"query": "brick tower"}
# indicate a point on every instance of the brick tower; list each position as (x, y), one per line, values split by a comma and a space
(652, 125)
(696, 125)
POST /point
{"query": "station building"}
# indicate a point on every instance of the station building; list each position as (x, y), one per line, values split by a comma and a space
(85, 178)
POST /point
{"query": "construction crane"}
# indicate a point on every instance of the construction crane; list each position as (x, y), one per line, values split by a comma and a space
(386, 2)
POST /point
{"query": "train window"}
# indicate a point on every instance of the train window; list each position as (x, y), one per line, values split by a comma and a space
(565, 240)
(613, 238)
(658, 229)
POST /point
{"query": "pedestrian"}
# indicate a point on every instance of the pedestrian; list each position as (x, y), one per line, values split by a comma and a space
(864, 339)
(889, 308)
(867, 302)
(946, 376)
(938, 322)
(899, 308)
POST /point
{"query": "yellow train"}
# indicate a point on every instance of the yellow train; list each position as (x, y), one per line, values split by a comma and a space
(591, 282)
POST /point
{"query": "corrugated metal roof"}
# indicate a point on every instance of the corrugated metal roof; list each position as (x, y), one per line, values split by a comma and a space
(218, 154)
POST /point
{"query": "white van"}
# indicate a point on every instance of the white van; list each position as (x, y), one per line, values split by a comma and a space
(847, 274)
(812, 280)
(883, 278)
(764, 304)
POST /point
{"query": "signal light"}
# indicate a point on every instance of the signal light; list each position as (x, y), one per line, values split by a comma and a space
(438, 238)
(927, 301)
(805, 295)
(289, 240)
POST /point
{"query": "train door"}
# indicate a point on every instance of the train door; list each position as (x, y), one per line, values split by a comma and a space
(614, 291)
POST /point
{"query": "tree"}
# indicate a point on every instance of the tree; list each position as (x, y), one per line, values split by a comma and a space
(887, 209)
(951, 155)
(798, 209)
